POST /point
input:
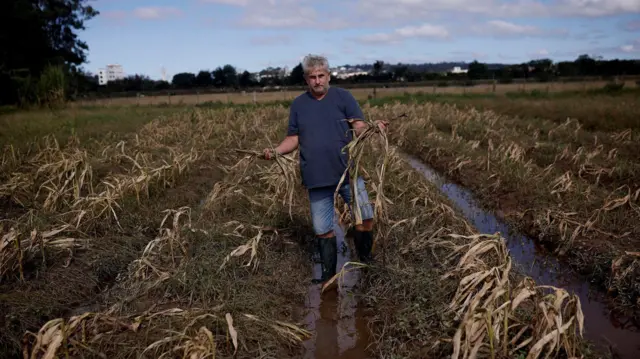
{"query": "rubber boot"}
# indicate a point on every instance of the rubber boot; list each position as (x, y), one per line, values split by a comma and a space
(329, 256)
(364, 244)
(315, 255)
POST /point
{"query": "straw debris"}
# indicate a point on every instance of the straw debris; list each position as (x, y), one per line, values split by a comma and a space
(486, 305)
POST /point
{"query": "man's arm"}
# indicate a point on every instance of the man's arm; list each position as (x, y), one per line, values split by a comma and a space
(354, 112)
(359, 126)
(290, 143)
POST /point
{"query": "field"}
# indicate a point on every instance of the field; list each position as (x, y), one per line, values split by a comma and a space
(360, 93)
(147, 231)
(564, 170)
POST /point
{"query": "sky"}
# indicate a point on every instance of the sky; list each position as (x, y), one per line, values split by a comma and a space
(145, 36)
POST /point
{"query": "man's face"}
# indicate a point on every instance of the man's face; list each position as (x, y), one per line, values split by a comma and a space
(318, 80)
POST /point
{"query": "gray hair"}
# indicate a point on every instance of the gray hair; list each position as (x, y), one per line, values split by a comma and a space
(312, 61)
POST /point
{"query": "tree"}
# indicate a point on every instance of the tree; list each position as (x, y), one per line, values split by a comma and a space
(400, 72)
(246, 79)
(377, 67)
(542, 69)
(184, 80)
(586, 65)
(47, 37)
(225, 76)
(296, 77)
(204, 79)
(230, 75)
(477, 70)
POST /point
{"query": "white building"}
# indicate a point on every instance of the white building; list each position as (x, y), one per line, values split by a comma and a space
(344, 73)
(110, 73)
(458, 70)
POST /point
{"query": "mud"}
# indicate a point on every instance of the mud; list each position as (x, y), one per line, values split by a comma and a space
(335, 317)
(603, 327)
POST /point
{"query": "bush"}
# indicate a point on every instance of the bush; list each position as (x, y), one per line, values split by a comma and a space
(613, 87)
(51, 86)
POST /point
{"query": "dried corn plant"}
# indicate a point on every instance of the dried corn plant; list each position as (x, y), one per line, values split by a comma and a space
(86, 333)
(91, 333)
(104, 203)
(288, 331)
(59, 181)
(251, 246)
(492, 312)
(162, 256)
(624, 270)
(17, 247)
(52, 178)
(355, 150)
(280, 177)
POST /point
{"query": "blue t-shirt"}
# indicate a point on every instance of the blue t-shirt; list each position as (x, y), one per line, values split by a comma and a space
(323, 132)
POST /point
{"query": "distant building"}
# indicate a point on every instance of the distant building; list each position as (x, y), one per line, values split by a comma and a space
(344, 72)
(110, 73)
(458, 70)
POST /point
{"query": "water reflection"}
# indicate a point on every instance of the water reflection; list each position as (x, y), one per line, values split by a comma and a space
(601, 326)
(334, 317)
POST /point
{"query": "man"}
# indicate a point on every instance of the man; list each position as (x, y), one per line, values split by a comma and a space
(318, 126)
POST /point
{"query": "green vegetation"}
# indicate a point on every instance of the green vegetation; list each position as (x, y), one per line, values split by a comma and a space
(41, 66)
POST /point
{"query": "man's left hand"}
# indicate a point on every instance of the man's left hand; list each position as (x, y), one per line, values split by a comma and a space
(382, 125)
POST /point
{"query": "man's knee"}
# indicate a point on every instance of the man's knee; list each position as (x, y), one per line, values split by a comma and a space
(366, 226)
(326, 235)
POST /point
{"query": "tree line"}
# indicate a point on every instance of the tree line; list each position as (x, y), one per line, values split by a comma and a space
(227, 78)
(40, 52)
(41, 58)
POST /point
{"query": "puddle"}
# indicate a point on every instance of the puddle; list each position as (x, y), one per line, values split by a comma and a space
(335, 318)
(602, 327)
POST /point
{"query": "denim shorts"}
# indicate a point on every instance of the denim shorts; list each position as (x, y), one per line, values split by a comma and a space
(322, 205)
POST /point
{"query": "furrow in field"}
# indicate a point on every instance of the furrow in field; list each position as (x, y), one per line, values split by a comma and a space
(225, 273)
(592, 225)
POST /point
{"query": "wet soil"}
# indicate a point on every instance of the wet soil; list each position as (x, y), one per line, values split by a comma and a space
(72, 283)
(606, 328)
(335, 317)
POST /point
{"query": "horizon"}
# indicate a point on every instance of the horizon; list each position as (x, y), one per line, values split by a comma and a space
(145, 36)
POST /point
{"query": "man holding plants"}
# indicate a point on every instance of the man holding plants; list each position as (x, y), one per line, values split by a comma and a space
(318, 126)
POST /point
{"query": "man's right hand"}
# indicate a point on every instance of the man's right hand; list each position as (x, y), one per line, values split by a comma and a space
(268, 154)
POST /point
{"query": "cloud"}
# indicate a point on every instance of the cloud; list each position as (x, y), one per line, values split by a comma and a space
(156, 12)
(592, 34)
(282, 14)
(626, 48)
(467, 55)
(227, 2)
(508, 28)
(404, 33)
(631, 48)
(541, 53)
(595, 8)
(116, 16)
(339, 14)
(632, 25)
(270, 40)
(501, 28)
(421, 9)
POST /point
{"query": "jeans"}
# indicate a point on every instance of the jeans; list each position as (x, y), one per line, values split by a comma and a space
(322, 205)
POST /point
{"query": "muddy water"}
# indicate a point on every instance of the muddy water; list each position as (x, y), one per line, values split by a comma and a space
(334, 317)
(602, 327)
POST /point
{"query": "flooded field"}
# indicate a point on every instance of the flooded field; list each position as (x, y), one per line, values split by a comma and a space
(176, 239)
(604, 326)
